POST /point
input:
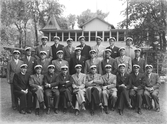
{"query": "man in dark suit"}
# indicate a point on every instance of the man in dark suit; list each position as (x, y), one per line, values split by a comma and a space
(123, 87)
(56, 47)
(51, 89)
(139, 61)
(136, 92)
(13, 67)
(114, 49)
(68, 50)
(107, 60)
(65, 87)
(76, 59)
(29, 60)
(43, 61)
(151, 84)
(85, 48)
(43, 47)
(22, 91)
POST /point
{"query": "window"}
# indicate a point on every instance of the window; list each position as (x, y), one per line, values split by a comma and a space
(99, 33)
(121, 36)
(106, 35)
(86, 34)
(52, 35)
(78, 35)
(92, 36)
(65, 36)
(72, 35)
(59, 34)
(114, 34)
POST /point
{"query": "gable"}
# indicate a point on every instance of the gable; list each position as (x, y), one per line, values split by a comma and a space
(96, 25)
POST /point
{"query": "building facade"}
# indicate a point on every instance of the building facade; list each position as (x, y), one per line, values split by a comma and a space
(91, 29)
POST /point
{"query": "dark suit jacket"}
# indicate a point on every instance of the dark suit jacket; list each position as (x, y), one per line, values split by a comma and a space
(141, 63)
(54, 50)
(20, 82)
(61, 80)
(50, 79)
(137, 81)
(115, 51)
(31, 64)
(154, 81)
(123, 80)
(13, 68)
(74, 61)
(35, 81)
(104, 63)
(85, 52)
(67, 54)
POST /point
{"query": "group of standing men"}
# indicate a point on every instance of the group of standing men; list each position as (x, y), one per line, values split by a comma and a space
(105, 77)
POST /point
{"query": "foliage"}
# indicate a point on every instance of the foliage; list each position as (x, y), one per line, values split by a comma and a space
(88, 15)
(71, 20)
(147, 16)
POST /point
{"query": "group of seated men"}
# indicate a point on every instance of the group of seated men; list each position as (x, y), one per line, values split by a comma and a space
(81, 79)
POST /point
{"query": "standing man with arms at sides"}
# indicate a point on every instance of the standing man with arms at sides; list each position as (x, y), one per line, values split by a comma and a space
(13, 67)
(56, 47)
(43, 47)
(129, 49)
(123, 87)
(109, 90)
(113, 48)
(36, 83)
(68, 50)
(92, 61)
(29, 60)
(59, 62)
(107, 60)
(65, 87)
(43, 61)
(76, 59)
(99, 48)
(151, 85)
(84, 48)
(51, 89)
(93, 89)
(22, 91)
(136, 91)
(138, 60)
(78, 85)
(123, 59)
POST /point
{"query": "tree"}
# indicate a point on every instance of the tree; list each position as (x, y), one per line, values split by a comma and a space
(149, 20)
(15, 13)
(71, 20)
(88, 15)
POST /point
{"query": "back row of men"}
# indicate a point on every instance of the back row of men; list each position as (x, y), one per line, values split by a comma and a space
(117, 80)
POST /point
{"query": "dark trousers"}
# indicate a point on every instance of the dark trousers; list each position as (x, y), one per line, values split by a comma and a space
(95, 98)
(123, 95)
(152, 95)
(136, 97)
(25, 100)
(52, 93)
(13, 97)
(66, 95)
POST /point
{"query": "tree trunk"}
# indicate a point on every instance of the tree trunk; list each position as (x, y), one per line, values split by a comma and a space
(164, 41)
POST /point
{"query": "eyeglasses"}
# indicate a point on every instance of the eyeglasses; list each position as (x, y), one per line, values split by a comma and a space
(64, 69)
(93, 68)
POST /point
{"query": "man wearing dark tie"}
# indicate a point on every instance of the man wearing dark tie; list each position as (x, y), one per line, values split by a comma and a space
(76, 59)
(151, 85)
(114, 49)
(136, 92)
(85, 48)
(56, 47)
(138, 60)
(29, 60)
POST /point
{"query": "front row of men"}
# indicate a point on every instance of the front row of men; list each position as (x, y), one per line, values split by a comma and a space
(104, 91)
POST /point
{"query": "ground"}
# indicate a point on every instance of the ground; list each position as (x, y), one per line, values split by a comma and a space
(130, 116)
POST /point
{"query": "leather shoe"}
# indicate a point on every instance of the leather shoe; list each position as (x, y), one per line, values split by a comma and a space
(139, 111)
(77, 113)
(14, 108)
(22, 112)
(157, 109)
(29, 111)
(92, 112)
(120, 112)
(48, 111)
(37, 112)
(56, 111)
(106, 110)
(64, 110)
(112, 109)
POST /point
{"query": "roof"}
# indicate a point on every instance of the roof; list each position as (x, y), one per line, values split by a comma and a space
(112, 26)
(52, 23)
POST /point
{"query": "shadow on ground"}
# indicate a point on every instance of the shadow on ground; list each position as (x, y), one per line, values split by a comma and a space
(130, 116)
